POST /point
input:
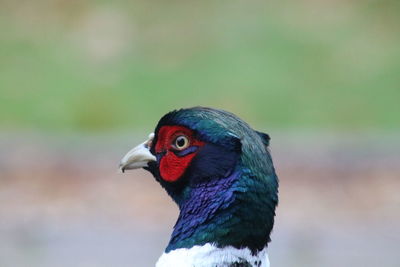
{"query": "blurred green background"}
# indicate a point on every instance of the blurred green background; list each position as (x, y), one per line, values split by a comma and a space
(100, 66)
(81, 82)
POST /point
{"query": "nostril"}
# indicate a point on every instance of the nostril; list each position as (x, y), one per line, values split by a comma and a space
(148, 144)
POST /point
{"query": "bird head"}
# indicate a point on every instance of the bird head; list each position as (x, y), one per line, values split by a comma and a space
(219, 172)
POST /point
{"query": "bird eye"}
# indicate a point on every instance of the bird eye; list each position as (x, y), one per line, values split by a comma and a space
(181, 142)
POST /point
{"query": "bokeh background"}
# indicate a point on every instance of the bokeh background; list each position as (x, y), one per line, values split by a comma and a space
(83, 81)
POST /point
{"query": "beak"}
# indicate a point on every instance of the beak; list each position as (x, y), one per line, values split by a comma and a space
(139, 156)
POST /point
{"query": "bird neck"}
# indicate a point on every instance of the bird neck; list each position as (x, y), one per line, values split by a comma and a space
(226, 212)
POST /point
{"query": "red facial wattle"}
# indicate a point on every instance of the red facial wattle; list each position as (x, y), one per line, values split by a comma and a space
(172, 164)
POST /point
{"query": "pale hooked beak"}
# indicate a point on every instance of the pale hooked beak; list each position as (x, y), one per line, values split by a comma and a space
(138, 157)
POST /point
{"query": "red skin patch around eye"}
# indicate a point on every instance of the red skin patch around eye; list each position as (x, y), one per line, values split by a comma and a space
(172, 167)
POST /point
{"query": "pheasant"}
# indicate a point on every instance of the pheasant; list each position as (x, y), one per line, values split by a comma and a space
(220, 173)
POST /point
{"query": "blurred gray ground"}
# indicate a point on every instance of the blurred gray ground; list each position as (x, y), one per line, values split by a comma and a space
(62, 202)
